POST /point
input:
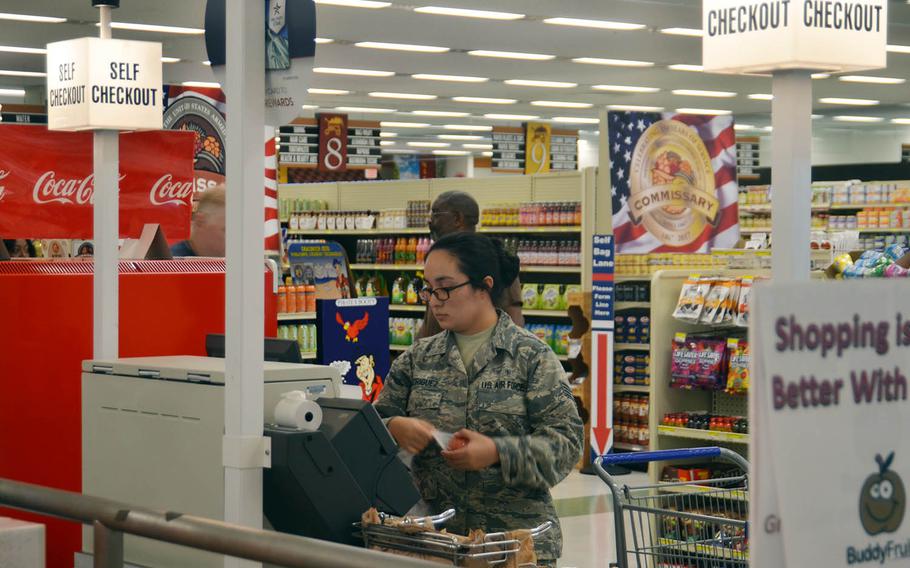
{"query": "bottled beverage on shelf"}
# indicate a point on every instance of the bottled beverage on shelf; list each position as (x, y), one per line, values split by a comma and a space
(310, 294)
(399, 289)
(412, 251)
(300, 290)
(282, 299)
(291, 299)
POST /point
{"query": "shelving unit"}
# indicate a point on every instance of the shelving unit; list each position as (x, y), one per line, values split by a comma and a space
(407, 308)
(629, 447)
(631, 347)
(857, 206)
(693, 434)
(542, 230)
(642, 389)
(302, 316)
(631, 305)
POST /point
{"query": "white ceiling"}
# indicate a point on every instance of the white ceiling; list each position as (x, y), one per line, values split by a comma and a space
(400, 24)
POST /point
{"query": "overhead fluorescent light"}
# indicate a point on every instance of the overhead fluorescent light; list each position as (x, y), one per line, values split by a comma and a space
(499, 116)
(429, 144)
(511, 55)
(15, 49)
(561, 104)
(356, 72)
(156, 28)
(636, 108)
(12, 92)
(900, 121)
(387, 134)
(392, 124)
(478, 146)
(30, 18)
(365, 109)
(487, 154)
(372, 4)
(309, 107)
(711, 111)
(743, 127)
(444, 113)
(201, 84)
(465, 13)
(613, 62)
(820, 75)
(625, 89)
(691, 32)
(170, 59)
(410, 96)
(599, 24)
(386, 142)
(761, 97)
(6, 73)
(468, 127)
(450, 153)
(207, 63)
(402, 47)
(870, 79)
(536, 83)
(768, 129)
(399, 151)
(459, 137)
(846, 118)
(315, 91)
(576, 120)
(702, 93)
(898, 48)
(484, 100)
(686, 67)
(452, 78)
(323, 40)
(844, 101)
(816, 116)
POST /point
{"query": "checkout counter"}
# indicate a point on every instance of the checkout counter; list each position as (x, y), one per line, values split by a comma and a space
(152, 432)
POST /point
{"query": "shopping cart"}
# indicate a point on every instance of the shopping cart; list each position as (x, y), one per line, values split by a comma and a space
(689, 524)
(405, 536)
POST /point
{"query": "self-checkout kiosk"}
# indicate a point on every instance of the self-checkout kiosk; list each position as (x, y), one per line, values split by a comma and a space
(152, 432)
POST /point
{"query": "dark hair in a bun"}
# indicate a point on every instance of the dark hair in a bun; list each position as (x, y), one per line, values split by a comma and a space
(479, 256)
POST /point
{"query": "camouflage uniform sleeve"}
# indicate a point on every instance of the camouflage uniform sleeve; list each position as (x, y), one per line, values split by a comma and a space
(553, 446)
(393, 398)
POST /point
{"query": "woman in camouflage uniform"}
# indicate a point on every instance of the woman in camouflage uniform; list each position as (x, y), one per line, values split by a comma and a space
(498, 387)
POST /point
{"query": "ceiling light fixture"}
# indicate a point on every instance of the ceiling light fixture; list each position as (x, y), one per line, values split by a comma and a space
(30, 18)
(686, 67)
(443, 113)
(371, 4)
(484, 100)
(702, 93)
(478, 146)
(451, 78)
(900, 121)
(711, 111)
(207, 63)
(386, 142)
(323, 40)
(761, 97)
(398, 151)
(487, 154)
(29, 50)
(170, 59)
(847, 118)
(309, 107)
(499, 116)
(536, 83)
(12, 92)
(743, 127)
(599, 24)
(459, 137)
(201, 84)
(561, 104)
(844, 101)
(625, 89)
(156, 28)
(402, 47)
(820, 75)
(874, 80)
(613, 62)
(511, 55)
(898, 48)
(450, 153)
(315, 91)
(576, 120)
(392, 124)
(365, 109)
(409, 96)
(636, 108)
(429, 144)
(690, 32)
(22, 74)
(468, 127)
(387, 134)
(465, 13)
(356, 72)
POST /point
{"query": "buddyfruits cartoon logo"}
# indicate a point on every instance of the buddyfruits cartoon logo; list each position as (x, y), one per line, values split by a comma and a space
(882, 501)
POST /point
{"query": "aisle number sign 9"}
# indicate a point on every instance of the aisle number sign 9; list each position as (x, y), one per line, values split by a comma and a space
(537, 147)
(104, 84)
(748, 36)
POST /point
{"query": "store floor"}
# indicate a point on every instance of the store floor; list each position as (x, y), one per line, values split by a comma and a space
(585, 510)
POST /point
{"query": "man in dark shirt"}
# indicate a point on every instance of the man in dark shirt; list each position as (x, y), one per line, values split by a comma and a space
(458, 212)
(207, 229)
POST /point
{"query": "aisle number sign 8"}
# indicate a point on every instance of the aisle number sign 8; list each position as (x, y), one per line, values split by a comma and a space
(749, 36)
(110, 84)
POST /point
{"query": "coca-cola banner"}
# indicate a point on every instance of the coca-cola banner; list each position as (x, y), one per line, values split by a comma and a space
(47, 182)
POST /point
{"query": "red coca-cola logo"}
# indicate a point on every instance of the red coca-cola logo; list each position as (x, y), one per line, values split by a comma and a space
(49, 189)
(166, 190)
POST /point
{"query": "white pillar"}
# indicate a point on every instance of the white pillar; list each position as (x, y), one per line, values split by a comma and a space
(244, 309)
(791, 175)
(106, 232)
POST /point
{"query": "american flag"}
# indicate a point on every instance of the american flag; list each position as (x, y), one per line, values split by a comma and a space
(625, 128)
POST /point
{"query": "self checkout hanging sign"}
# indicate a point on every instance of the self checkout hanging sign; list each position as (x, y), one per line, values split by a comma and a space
(747, 36)
(112, 84)
(831, 371)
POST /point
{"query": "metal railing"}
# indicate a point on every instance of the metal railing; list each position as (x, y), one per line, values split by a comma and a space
(112, 519)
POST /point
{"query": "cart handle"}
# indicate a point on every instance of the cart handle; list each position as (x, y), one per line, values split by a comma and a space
(660, 455)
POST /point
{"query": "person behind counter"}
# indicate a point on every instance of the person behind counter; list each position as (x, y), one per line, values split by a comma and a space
(207, 228)
(497, 387)
(457, 212)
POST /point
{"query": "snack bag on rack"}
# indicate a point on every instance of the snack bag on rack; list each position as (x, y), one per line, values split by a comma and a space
(691, 300)
(711, 371)
(745, 299)
(683, 362)
(731, 303)
(716, 301)
(738, 356)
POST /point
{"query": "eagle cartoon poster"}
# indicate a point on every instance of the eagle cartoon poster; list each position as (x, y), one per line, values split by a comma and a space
(354, 338)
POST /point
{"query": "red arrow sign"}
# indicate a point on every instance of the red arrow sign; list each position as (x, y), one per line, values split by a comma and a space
(600, 422)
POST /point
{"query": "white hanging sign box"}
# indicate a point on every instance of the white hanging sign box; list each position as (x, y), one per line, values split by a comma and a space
(750, 36)
(104, 84)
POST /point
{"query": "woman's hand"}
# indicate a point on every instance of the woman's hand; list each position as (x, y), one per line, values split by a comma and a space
(471, 451)
(412, 434)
